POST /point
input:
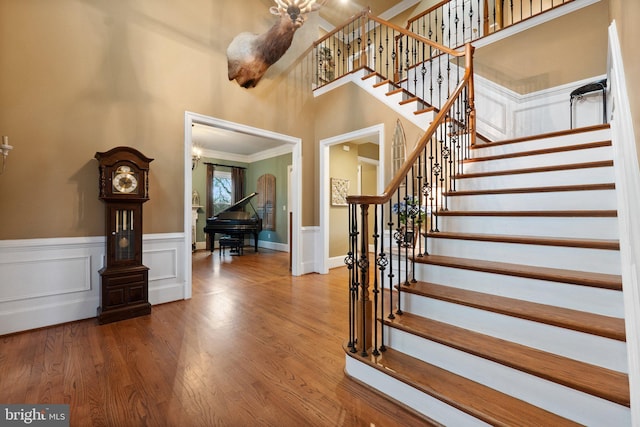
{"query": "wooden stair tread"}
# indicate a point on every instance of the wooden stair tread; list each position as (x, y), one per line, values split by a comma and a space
(559, 214)
(393, 92)
(597, 280)
(382, 83)
(482, 402)
(370, 75)
(594, 380)
(409, 100)
(596, 324)
(530, 240)
(559, 149)
(521, 190)
(546, 135)
(555, 168)
(424, 110)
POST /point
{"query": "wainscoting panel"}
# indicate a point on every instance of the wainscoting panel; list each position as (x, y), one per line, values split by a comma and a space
(45, 282)
(504, 114)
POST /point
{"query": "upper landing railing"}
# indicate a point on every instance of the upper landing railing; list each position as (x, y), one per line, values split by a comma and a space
(453, 23)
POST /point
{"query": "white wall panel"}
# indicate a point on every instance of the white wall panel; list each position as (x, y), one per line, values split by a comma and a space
(504, 114)
(45, 282)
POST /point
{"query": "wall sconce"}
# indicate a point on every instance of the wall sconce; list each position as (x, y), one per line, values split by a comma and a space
(195, 157)
(5, 148)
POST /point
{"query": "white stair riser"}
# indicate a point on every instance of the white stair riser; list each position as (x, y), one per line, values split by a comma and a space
(576, 297)
(570, 258)
(541, 160)
(409, 108)
(571, 227)
(561, 400)
(538, 144)
(603, 175)
(413, 398)
(587, 348)
(554, 200)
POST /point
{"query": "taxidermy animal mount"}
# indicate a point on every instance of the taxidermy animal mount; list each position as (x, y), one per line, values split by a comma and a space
(250, 55)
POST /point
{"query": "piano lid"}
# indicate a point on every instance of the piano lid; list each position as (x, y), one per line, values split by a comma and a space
(240, 204)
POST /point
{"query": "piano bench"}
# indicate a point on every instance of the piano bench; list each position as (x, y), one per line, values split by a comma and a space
(234, 243)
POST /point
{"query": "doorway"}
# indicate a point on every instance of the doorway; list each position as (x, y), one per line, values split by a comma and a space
(294, 203)
(373, 134)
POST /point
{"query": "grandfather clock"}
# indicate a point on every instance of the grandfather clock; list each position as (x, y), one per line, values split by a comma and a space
(124, 187)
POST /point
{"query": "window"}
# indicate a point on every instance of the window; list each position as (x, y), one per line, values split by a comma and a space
(222, 190)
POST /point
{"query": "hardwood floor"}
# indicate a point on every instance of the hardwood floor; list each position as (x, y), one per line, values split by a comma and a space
(253, 347)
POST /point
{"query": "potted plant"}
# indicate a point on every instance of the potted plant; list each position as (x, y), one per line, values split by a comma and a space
(410, 209)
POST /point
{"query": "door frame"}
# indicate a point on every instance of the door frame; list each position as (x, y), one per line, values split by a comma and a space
(294, 205)
(375, 132)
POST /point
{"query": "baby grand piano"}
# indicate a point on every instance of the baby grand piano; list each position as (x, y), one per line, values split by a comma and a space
(236, 222)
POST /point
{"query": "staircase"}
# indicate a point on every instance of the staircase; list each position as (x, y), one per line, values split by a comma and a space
(517, 314)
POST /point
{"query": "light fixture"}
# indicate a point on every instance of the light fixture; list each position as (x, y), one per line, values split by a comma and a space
(196, 153)
(5, 148)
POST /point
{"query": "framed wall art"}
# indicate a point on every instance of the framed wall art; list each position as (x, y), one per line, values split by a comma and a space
(339, 191)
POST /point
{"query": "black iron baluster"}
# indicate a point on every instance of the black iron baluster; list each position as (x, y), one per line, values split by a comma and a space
(390, 275)
(376, 284)
(399, 237)
(353, 289)
(418, 192)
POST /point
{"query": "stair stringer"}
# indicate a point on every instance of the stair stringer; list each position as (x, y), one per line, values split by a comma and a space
(422, 120)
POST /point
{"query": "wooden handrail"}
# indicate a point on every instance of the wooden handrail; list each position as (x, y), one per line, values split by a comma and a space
(395, 27)
(426, 12)
(395, 183)
(338, 28)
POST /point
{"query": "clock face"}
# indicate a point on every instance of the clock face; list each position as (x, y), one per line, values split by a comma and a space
(124, 180)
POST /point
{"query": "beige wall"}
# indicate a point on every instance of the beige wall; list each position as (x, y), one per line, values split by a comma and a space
(342, 165)
(80, 76)
(569, 48)
(343, 109)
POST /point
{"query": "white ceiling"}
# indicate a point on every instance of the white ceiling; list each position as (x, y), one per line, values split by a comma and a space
(214, 139)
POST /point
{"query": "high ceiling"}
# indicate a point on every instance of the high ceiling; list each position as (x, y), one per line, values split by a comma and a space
(333, 13)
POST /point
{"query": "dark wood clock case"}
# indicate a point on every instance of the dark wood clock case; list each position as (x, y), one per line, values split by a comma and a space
(124, 280)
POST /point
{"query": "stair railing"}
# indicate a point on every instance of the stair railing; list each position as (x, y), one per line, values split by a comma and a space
(440, 80)
(402, 217)
(408, 61)
(453, 23)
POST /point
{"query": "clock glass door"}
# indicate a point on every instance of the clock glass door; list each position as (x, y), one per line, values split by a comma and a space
(124, 234)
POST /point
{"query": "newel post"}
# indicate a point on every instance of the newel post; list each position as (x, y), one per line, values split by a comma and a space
(364, 310)
(469, 49)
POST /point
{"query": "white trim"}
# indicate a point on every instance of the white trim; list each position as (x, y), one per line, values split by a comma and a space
(293, 144)
(324, 202)
(309, 237)
(628, 192)
(250, 158)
